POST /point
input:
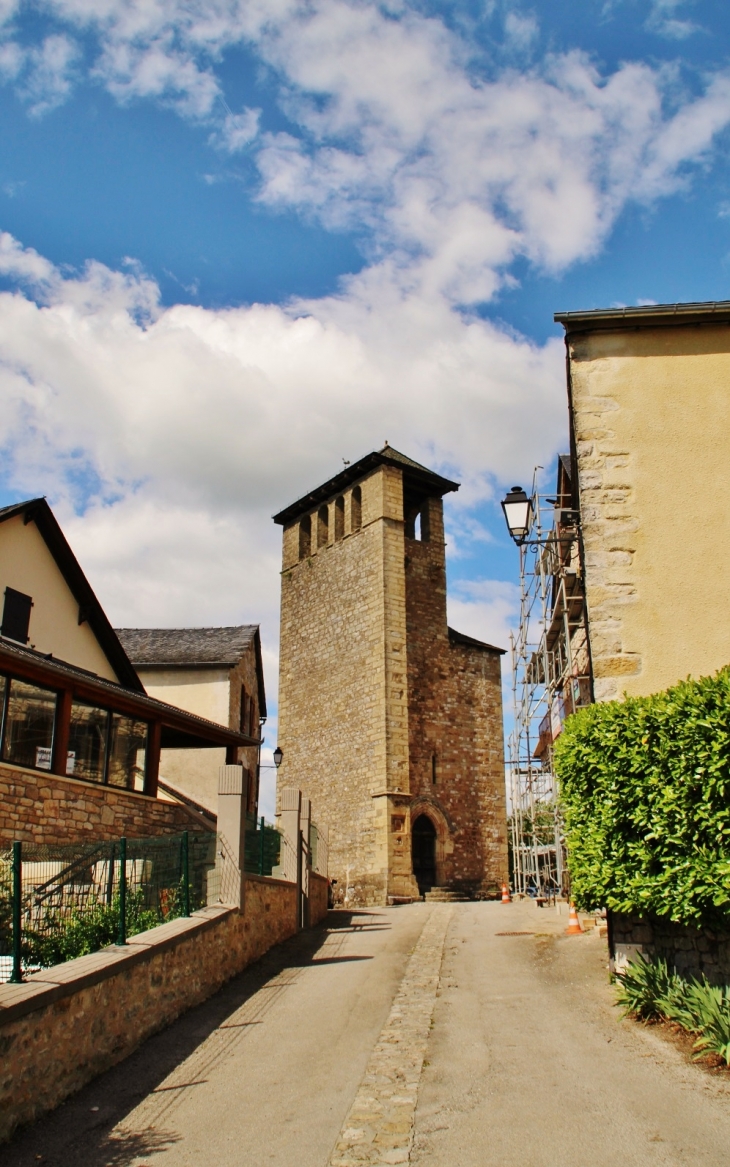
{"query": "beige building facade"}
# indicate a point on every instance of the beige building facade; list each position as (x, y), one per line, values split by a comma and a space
(389, 721)
(216, 673)
(649, 393)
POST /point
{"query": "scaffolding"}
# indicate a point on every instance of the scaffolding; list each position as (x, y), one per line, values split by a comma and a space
(551, 679)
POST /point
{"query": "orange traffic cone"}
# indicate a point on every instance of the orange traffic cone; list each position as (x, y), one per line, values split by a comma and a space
(506, 897)
(574, 928)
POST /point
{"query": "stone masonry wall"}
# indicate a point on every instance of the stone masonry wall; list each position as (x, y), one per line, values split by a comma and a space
(455, 729)
(46, 808)
(318, 897)
(694, 952)
(67, 1024)
(332, 689)
(371, 687)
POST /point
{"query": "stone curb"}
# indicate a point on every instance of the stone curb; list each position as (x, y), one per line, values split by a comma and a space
(378, 1130)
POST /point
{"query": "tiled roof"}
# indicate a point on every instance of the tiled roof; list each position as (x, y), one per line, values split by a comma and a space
(187, 646)
(418, 476)
(469, 642)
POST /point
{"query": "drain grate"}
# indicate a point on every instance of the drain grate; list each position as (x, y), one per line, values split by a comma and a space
(514, 933)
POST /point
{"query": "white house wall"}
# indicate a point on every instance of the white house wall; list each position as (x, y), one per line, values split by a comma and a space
(27, 565)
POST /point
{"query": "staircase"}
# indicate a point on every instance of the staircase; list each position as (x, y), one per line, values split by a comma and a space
(444, 895)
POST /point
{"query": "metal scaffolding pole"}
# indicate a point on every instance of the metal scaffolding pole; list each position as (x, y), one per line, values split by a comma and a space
(550, 680)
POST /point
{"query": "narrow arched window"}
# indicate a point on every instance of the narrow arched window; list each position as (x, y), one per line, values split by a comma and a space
(323, 526)
(339, 518)
(305, 537)
(356, 509)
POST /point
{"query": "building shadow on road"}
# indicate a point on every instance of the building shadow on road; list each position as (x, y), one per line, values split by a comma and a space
(83, 1129)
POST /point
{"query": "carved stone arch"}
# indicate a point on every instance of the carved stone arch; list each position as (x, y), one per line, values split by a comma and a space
(444, 846)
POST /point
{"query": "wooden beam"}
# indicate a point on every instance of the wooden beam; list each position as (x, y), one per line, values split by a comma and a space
(152, 765)
(61, 731)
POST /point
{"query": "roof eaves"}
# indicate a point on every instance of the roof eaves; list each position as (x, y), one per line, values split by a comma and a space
(351, 474)
(470, 642)
(645, 316)
(167, 714)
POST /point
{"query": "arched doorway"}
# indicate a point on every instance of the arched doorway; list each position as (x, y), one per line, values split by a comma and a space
(423, 851)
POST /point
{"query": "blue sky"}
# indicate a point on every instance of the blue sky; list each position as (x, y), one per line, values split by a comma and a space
(243, 241)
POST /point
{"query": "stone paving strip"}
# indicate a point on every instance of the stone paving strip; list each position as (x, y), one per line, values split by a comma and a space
(378, 1130)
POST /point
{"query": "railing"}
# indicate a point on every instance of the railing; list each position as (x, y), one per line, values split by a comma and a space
(263, 847)
(318, 849)
(60, 902)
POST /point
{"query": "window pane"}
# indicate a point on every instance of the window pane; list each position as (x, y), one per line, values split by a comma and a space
(127, 752)
(87, 742)
(29, 728)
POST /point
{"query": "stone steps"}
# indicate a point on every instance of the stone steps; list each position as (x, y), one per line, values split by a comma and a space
(443, 895)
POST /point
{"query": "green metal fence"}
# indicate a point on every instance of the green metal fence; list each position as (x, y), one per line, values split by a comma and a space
(59, 902)
(263, 847)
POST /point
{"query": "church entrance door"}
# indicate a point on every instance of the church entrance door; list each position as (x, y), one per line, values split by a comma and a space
(423, 850)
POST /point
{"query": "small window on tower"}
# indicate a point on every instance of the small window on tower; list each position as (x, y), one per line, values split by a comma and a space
(323, 526)
(339, 518)
(356, 509)
(305, 538)
(433, 769)
(16, 615)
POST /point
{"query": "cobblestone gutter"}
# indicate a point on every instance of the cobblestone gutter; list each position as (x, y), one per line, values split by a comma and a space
(378, 1130)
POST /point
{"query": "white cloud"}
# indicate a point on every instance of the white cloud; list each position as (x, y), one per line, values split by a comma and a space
(238, 130)
(393, 133)
(49, 72)
(23, 263)
(183, 429)
(485, 609)
(663, 20)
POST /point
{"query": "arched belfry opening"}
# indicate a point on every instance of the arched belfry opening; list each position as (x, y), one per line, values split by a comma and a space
(423, 850)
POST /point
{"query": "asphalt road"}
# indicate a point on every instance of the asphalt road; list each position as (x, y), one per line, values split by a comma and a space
(531, 1065)
(527, 1062)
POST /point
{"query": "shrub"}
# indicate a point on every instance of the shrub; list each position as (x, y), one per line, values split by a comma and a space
(64, 937)
(648, 990)
(645, 787)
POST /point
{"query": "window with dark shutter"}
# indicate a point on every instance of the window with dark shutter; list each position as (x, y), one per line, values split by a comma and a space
(16, 615)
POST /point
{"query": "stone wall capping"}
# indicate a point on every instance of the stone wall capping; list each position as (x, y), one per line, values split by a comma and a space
(65, 980)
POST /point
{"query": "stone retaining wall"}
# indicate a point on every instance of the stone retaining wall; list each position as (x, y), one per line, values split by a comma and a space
(46, 808)
(67, 1024)
(318, 897)
(694, 952)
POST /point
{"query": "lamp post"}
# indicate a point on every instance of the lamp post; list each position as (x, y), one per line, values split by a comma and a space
(518, 513)
(278, 755)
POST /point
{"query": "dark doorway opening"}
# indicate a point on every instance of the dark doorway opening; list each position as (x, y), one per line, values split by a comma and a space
(423, 850)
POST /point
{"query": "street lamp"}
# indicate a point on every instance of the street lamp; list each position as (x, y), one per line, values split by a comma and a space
(518, 513)
(278, 755)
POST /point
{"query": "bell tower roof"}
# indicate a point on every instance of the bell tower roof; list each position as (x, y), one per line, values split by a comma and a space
(416, 476)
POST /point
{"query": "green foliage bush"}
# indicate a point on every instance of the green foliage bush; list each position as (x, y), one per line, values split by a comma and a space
(649, 990)
(82, 931)
(645, 787)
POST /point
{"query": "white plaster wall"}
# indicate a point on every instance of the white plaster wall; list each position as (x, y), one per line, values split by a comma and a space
(201, 691)
(205, 692)
(27, 565)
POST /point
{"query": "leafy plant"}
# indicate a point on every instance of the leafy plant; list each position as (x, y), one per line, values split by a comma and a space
(645, 988)
(64, 937)
(650, 991)
(645, 787)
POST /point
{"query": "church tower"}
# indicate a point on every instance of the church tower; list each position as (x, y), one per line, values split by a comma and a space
(389, 721)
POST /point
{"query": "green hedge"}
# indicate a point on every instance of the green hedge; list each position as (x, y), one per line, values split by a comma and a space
(645, 786)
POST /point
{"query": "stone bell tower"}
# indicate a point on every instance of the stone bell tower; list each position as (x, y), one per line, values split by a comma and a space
(389, 721)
